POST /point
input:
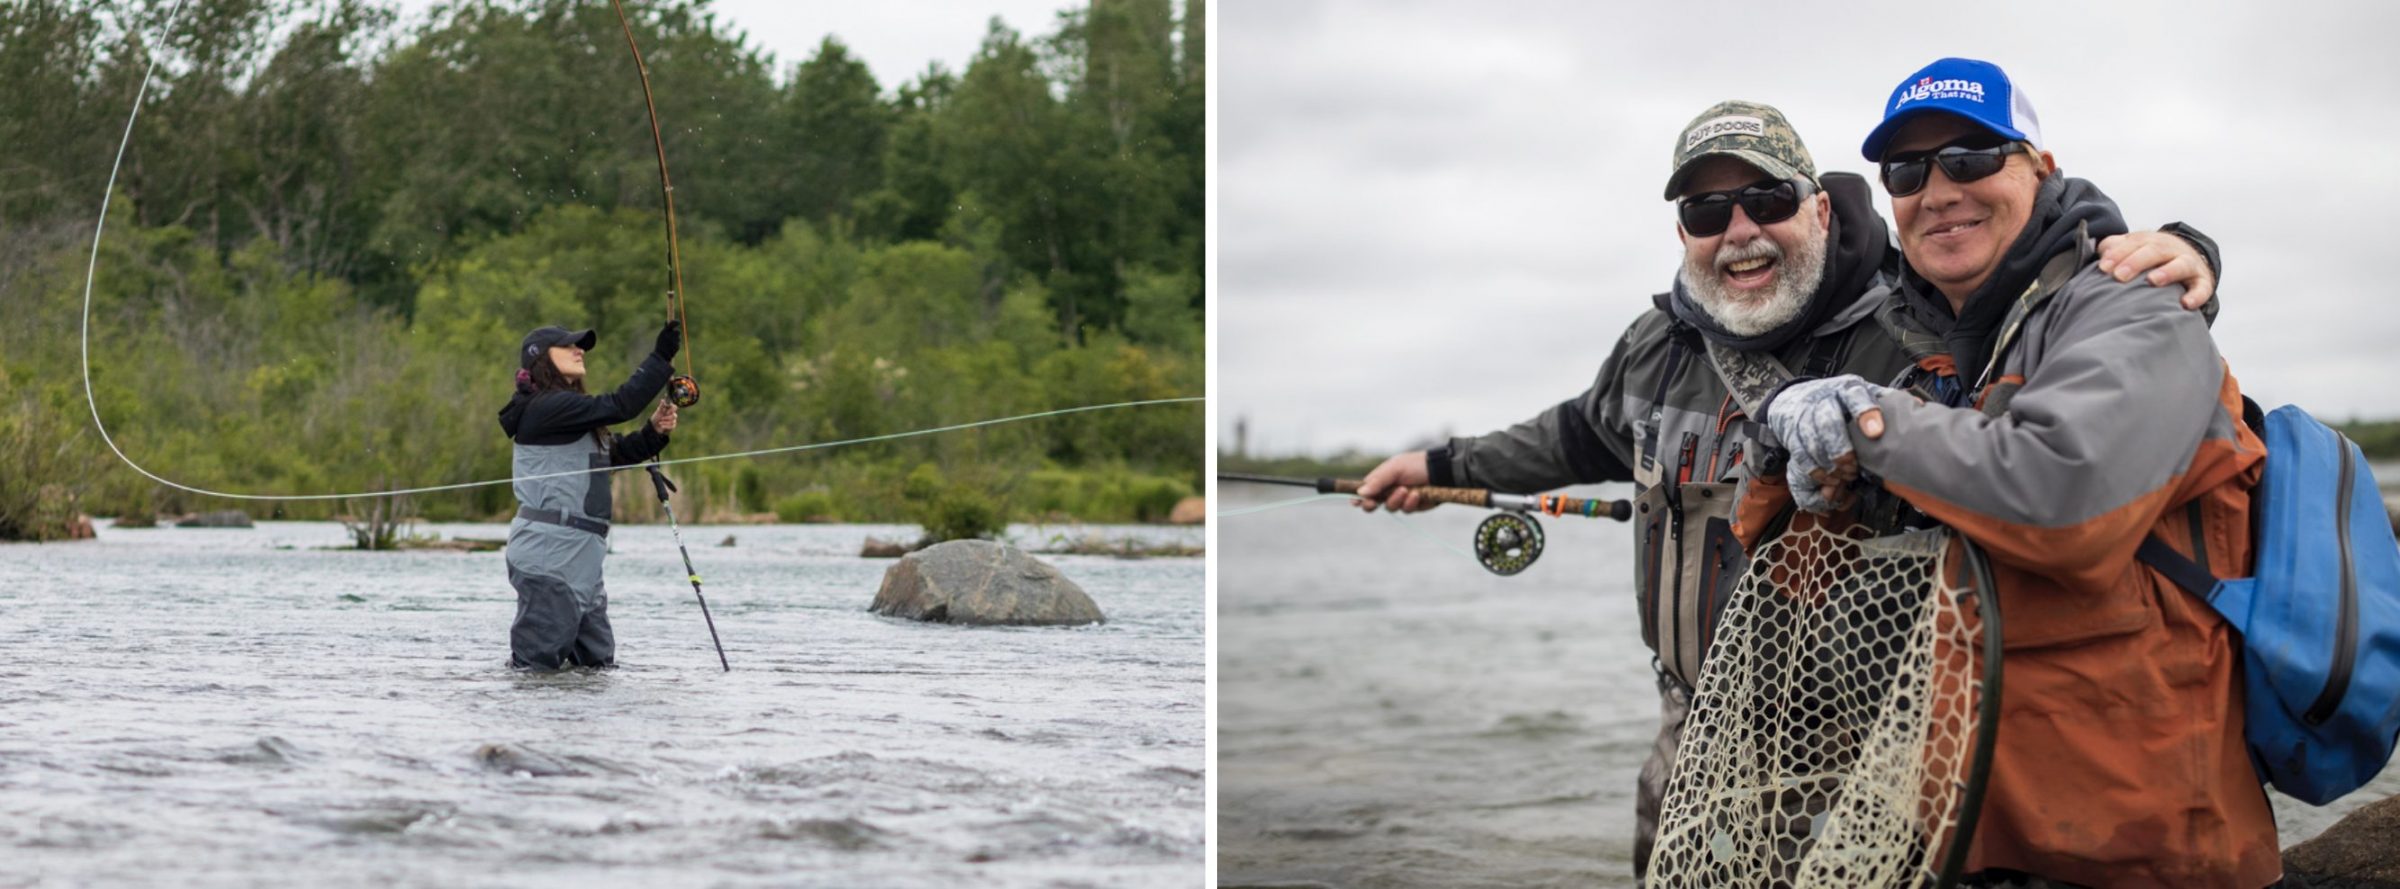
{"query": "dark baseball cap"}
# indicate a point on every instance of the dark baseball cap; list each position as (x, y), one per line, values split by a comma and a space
(1751, 132)
(542, 339)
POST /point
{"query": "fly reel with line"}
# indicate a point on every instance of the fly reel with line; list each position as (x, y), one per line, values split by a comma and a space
(683, 391)
(1507, 542)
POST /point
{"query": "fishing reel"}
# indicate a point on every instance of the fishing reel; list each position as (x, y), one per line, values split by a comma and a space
(683, 391)
(1508, 542)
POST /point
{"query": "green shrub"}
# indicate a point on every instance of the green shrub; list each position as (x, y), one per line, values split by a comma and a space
(750, 491)
(962, 513)
(40, 483)
(816, 505)
(1153, 498)
(923, 483)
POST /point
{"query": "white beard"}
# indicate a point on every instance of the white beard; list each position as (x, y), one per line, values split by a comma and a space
(1796, 277)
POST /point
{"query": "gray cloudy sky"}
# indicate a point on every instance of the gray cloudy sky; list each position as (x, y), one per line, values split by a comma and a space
(896, 39)
(1442, 215)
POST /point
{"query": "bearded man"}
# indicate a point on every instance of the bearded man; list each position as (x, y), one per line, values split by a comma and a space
(1783, 273)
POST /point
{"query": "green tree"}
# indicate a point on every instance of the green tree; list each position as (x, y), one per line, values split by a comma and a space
(839, 125)
(913, 200)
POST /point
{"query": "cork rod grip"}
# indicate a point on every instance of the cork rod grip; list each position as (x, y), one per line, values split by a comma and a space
(1460, 496)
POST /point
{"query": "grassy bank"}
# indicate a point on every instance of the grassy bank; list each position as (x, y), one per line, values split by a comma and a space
(2380, 439)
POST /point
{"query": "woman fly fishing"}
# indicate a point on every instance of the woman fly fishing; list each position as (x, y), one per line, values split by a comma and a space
(563, 454)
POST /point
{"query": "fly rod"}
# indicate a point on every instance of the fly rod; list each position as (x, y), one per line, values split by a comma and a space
(1506, 542)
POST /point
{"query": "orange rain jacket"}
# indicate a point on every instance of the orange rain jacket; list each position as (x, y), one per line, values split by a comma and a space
(2108, 417)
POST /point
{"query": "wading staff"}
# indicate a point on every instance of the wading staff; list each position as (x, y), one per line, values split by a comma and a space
(1505, 543)
(659, 480)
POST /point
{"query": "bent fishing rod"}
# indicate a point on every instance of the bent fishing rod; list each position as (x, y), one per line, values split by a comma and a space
(1506, 542)
(682, 389)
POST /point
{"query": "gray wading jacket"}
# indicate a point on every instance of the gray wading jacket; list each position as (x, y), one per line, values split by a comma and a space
(1661, 416)
(561, 527)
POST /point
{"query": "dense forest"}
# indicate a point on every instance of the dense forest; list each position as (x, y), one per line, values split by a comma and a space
(332, 228)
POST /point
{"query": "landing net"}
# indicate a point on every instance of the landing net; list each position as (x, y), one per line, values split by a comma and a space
(1834, 736)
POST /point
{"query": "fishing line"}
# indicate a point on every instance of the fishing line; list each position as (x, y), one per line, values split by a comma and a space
(1396, 517)
(1280, 504)
(91, 273)
(1411, 528)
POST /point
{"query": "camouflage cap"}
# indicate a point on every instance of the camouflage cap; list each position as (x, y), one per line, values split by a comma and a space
(1751, 132)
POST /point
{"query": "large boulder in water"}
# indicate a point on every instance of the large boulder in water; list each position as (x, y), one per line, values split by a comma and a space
(2357, 852)
(981, 582)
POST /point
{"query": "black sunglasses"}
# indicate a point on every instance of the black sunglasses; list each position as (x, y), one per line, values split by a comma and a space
(1964, 161)
(1707, 214)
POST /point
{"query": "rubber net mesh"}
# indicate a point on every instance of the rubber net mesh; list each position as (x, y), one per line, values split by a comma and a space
(1830, 735)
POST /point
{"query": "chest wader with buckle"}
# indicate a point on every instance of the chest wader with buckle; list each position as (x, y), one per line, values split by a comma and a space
(1687, 557)
(555, 546)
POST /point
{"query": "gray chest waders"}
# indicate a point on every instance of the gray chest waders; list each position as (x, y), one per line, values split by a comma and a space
(555, 546)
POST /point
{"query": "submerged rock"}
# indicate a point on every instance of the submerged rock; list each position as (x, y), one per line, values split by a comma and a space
(879, 548)
(2355, 853)
(981, 582)
(225, 518)
(504, 758)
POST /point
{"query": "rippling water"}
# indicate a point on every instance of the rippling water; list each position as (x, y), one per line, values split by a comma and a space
(239, 707)
(1391, 715)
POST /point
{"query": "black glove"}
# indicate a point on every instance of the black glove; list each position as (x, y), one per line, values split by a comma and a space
(670, 339)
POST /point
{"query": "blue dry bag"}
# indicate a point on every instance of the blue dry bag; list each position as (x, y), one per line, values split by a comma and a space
(2320, 622)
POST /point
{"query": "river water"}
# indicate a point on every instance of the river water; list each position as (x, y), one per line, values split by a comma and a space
(1392, 715)
(240, 708)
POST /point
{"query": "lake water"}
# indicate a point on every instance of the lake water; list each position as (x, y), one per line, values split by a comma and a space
(1392, 715)
(240, 708)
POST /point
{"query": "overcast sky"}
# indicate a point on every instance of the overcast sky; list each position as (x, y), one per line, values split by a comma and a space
(895, 38)
(1441, 215)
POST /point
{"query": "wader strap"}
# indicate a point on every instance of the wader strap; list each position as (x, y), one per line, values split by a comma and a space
(2054, 277)
(554, 517)
(2185, 571)
(1646, 469)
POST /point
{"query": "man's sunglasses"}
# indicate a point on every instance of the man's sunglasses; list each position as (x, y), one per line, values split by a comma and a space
(1707, 214)
(1905, 173)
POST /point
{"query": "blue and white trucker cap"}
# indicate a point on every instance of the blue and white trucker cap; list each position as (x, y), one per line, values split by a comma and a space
(1976, 90)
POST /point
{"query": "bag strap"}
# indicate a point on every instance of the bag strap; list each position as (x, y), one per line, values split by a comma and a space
(2190, 574)
(1751, 376)
(1748, 376)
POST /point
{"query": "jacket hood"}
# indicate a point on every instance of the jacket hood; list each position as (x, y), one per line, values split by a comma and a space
(514, 412)
(1860, 244)
(2065, 211)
